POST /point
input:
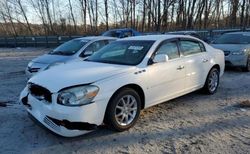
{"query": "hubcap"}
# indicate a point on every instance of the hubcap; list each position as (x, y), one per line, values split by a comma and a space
(213, 81)
(125, 110)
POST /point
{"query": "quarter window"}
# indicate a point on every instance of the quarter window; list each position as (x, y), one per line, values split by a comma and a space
(191, 47)
(170, 49)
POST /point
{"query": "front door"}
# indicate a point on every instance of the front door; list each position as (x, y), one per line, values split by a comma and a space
(166, 80)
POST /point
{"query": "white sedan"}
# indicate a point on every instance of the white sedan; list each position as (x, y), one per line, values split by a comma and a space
(113, 85)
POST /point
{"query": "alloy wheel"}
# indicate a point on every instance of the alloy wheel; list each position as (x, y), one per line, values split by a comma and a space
(213, 81)
(125, 110)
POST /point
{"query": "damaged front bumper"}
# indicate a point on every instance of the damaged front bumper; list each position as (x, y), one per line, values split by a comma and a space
(62, 120)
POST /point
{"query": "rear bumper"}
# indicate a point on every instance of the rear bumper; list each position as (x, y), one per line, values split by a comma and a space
(62, 120)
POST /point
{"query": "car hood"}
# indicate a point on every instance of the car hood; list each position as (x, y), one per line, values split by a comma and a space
(229, 47)
(49, 59)
(76, 73)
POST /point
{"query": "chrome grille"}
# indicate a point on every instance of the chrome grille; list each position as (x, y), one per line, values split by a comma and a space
(51, 123)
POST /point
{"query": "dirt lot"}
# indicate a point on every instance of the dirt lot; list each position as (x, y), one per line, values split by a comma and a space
(194, 123)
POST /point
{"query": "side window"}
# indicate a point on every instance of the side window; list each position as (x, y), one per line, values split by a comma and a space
(170, 49)
(96, 45)
(127, 34)
(110, 41)
(93, 47)
(191, 47)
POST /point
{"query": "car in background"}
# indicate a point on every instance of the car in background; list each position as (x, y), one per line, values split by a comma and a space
(152, 33)
(113, 85)
(211, 39)
(121, 33)
(68, 51)
(236, 47)
(191, 33)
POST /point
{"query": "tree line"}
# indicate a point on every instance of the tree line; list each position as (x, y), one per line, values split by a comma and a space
(88, 17)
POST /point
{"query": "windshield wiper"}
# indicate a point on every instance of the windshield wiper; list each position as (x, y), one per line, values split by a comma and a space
(86, 59)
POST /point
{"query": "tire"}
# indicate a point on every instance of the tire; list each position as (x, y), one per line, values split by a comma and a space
(247, 67)
(121, 114)
(212, 81)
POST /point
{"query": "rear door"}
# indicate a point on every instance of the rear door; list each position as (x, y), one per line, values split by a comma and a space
(196, 62)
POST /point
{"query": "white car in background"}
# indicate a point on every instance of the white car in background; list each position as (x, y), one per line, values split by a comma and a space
(113, 85)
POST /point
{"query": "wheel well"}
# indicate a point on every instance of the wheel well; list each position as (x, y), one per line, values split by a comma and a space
(135, 87)
(216, 66)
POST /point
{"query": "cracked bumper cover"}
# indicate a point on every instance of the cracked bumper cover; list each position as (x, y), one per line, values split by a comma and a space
(63, 120)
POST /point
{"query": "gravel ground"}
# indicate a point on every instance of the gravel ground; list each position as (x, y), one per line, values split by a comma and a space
(194, 123)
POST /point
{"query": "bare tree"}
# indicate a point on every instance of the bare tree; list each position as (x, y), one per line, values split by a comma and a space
(234, 8)
(83, 4)
(47, 7)
(106, 14)
(39, 9)
(8, 16)
(72, 16)
(20, 5)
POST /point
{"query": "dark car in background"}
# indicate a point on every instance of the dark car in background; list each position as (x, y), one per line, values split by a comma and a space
(236, 47)
(121, 33)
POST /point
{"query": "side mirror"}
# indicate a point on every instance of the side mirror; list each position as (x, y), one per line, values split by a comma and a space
(88, 53)
(160, 58)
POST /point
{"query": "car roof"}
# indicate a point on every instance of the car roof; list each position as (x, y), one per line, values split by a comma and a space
(238, 33)
(91, 38)
(184, 32)
(156, 37)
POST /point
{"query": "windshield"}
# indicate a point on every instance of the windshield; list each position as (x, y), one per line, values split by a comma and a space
(112, 33)
(122, 52)
(69, 48)
(233, 39)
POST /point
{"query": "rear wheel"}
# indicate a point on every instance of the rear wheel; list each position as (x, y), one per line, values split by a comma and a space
(123, 110)
(247, 67)
(212, 81)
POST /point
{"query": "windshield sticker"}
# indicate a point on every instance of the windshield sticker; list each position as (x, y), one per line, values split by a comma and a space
(135, 48)
(83, 41)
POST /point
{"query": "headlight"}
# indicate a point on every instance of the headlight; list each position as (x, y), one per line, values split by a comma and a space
(53, 64)
(30, 64)
(77, 96)
(241, 52)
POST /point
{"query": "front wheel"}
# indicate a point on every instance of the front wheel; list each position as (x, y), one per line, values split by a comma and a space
(212, 81)
(123, 110)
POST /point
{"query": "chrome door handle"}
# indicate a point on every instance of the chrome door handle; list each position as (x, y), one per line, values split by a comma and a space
(180, 67)
(204, 60)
